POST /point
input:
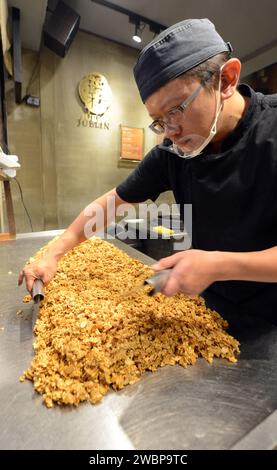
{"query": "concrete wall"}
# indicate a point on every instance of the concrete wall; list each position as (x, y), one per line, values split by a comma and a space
(64, 166)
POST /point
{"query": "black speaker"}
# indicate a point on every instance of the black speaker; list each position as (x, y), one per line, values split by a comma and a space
(61, 28)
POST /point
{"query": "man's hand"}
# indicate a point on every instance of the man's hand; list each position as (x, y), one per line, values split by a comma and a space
(192, 271)
(44, 269)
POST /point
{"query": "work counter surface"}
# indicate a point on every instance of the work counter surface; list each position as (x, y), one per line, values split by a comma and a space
(219, 406)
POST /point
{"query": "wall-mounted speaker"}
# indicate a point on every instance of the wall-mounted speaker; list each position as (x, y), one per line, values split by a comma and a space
(61, 28)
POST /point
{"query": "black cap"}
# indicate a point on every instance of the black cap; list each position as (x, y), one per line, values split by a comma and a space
(176, 50)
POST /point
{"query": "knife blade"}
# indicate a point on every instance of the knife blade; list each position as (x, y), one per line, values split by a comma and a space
(37, 295)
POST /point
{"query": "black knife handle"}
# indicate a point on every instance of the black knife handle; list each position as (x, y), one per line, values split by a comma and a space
(37, 290)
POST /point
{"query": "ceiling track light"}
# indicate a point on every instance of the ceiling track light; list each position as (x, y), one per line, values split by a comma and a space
(137, 36)
(139, 27)
(139, 21)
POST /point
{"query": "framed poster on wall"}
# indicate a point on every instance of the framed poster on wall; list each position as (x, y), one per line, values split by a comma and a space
(131, 143)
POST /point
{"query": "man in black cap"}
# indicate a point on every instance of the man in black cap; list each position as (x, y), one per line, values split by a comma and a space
(219, 154)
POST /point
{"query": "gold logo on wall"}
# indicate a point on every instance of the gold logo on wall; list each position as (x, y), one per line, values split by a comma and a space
(95, 93)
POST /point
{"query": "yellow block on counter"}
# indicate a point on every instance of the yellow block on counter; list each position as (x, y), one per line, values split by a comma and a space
(163, 230)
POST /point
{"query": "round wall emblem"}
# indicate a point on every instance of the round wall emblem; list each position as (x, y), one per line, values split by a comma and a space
(95, 93)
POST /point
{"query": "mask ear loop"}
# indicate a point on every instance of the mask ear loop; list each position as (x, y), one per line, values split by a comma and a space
(213, 128)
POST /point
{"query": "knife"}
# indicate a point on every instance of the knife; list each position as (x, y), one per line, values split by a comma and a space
(37, 295)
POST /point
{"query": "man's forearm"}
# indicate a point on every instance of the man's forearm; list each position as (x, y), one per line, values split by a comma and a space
(258, 266)
(65, 243)
(76, 232)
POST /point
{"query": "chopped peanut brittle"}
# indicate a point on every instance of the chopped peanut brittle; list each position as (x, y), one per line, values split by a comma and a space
(90, 337)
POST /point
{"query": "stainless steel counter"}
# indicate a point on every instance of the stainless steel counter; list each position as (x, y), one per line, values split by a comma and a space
(201, 407)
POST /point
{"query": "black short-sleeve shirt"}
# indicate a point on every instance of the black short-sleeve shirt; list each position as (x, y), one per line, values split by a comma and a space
(233, 193)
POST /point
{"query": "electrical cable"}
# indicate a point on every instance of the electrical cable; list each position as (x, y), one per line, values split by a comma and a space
(20, 190)
(23, 203)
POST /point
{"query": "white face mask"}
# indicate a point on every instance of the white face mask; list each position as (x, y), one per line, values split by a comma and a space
(198, 139)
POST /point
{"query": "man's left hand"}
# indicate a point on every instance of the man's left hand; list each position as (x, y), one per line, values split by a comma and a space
(192, 271)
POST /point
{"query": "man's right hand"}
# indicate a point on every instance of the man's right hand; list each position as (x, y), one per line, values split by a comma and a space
(44, 269)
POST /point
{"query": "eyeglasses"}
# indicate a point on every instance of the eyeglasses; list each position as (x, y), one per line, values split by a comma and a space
(175, 115)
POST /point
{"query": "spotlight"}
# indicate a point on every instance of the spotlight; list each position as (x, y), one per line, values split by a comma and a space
(137, 35)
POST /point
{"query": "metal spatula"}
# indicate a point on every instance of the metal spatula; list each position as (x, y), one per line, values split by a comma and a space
(157, 282)
(37, 295)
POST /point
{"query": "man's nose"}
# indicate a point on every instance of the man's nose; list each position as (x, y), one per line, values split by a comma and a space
(171, 130)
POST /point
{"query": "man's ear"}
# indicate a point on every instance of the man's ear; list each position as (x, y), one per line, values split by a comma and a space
(230, 73)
